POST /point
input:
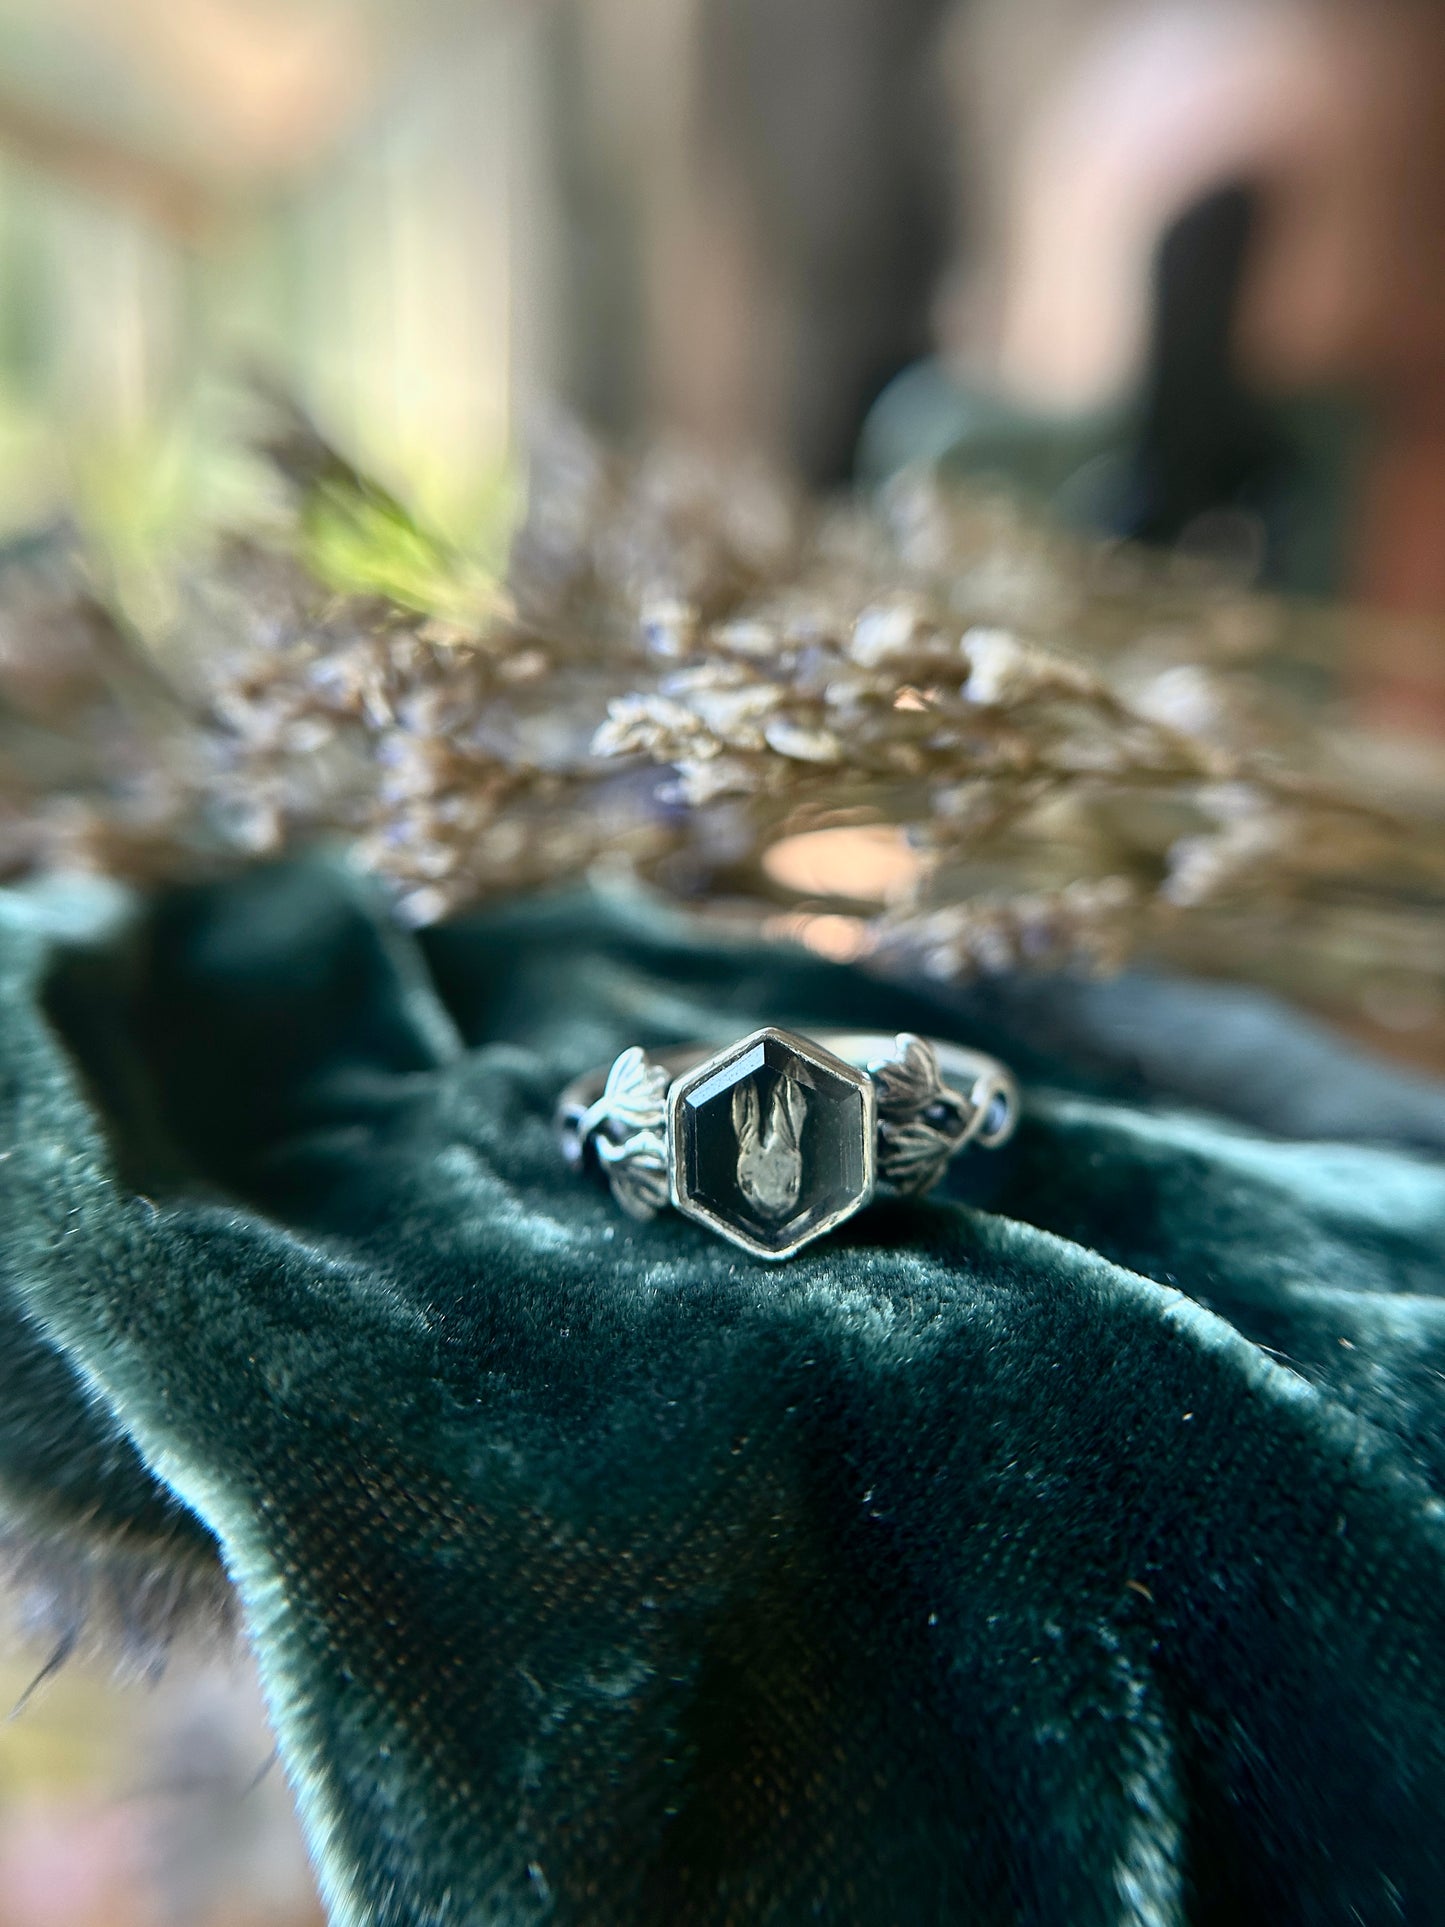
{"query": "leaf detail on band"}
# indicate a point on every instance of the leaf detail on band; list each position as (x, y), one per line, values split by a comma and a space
(627, 1126)
(922, 1121)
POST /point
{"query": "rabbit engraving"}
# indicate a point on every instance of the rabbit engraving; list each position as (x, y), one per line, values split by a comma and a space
(770, 1163)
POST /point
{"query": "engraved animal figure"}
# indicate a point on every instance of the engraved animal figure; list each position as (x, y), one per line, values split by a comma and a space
(770, 1163)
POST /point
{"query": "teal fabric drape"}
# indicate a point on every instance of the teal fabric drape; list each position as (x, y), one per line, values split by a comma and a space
(1068, 1548)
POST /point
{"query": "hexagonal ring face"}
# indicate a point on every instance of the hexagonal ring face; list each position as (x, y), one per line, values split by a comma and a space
(772, 1142)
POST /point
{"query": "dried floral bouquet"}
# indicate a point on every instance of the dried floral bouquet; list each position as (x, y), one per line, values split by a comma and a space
(925, 731)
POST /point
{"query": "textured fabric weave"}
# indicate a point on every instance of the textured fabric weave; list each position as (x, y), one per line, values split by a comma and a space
(1069, 1549)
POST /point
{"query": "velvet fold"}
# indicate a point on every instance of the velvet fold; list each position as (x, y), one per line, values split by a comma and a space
(1067, 1548)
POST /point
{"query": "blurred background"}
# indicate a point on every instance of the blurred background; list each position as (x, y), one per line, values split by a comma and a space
(1171, 265)
(1173, 269)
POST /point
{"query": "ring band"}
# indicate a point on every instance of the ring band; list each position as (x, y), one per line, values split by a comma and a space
(779, 1138)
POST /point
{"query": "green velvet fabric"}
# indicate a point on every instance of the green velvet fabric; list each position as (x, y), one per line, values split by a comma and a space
(1069, 1549)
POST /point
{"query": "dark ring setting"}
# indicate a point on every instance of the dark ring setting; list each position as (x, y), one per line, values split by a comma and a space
(779, 1138)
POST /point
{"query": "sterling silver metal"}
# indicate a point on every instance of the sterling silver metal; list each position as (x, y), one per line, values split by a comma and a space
(779, 1138)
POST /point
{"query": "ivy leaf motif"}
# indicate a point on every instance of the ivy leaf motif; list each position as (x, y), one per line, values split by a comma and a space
(628, 1126)
(922, 1121)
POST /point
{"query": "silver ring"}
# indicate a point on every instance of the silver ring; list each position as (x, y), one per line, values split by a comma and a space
(779, 1138)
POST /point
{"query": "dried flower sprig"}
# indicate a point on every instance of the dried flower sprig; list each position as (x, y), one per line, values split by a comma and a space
(1082, 756)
